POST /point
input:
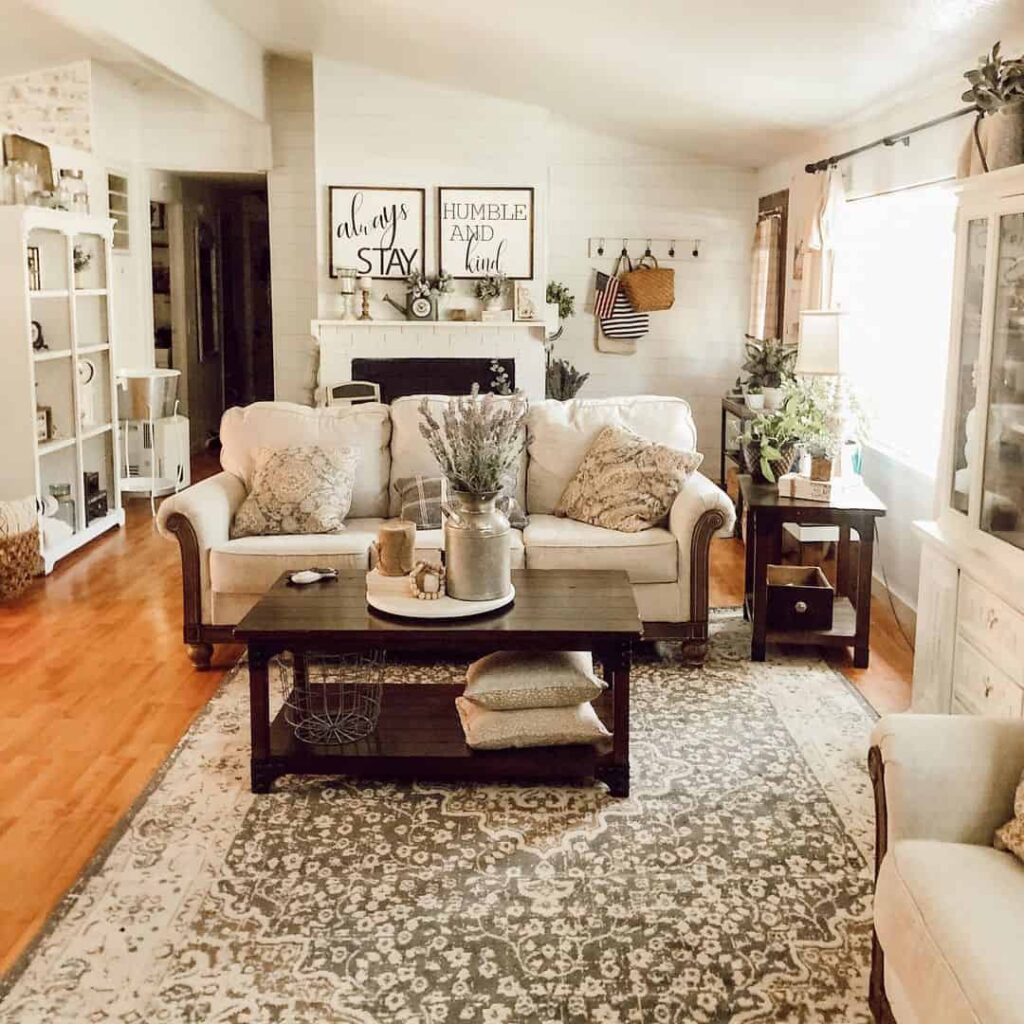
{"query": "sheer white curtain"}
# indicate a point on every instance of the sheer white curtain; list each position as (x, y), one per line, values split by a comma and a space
(894, 275)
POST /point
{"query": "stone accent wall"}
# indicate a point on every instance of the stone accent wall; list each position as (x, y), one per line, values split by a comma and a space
(52, 106)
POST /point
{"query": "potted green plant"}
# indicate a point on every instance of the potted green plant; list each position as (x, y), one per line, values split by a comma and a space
(770, 364)
(755, 397)
(563, 380)
(490, 290)
(997, 90)
(769, 444)
(562, 303)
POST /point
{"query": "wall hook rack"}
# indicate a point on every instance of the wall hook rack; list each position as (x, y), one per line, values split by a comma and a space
(666, 249)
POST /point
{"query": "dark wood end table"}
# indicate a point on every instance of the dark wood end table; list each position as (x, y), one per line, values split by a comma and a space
(767, 511)
(418, 734)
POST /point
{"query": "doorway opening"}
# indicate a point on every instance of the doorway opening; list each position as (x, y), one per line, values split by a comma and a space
(211, 293)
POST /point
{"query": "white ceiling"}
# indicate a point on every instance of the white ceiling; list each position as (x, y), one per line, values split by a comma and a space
(741, 81)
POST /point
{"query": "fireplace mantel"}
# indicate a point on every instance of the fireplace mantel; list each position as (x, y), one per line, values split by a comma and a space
(341, 341)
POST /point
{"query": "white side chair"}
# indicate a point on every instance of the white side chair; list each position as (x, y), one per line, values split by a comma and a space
(351, 392)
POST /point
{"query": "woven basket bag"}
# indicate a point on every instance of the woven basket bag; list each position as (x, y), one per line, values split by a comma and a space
(650, 287)
(19, 546)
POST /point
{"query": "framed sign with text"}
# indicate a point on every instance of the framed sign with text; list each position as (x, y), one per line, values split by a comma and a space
(381, 232)
(484, 231)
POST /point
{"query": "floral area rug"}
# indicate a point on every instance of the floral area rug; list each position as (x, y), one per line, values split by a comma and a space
(733, 885)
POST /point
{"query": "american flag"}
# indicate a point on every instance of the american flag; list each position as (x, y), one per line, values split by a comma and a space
(604, 297)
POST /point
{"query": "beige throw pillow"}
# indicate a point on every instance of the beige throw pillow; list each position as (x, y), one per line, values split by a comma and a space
(510, 680)
(305, 489)
(626, 482)
(1011, 835)
(537, 727)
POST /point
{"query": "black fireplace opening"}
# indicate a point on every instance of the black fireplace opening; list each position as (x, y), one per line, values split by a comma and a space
(442, 376)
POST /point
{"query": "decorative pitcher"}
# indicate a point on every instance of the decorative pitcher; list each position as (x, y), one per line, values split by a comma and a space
(477, 547)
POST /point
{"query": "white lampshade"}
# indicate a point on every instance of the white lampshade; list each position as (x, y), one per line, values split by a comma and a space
(822, 343)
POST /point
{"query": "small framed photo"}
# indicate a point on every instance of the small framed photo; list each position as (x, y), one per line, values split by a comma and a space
(35, 270)
(157, 220)
(523, 306)
(44, 423)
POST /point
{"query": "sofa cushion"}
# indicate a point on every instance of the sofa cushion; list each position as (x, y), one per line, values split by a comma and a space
(650, 556)
(626, 482)
(300, 489)
(365, 428)
(950, 919)
(250, 565)
(561, 434)
(410, 454)
(430, 544)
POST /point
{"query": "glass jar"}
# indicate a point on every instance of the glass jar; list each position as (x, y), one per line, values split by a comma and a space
(65, 503)
(73, 193)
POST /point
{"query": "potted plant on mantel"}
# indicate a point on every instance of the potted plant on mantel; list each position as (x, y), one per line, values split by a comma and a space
(490, 290)
(997, 90)
(770, 364)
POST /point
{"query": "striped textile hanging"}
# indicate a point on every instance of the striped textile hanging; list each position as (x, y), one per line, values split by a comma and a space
(624, 322)
(604, 298)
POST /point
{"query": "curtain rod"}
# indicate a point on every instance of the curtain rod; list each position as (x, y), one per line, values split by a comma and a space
(888, 140)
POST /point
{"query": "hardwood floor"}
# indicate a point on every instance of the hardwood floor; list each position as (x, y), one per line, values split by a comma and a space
(97, 690)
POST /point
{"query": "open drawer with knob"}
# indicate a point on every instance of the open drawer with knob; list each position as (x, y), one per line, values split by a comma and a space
(799, 597)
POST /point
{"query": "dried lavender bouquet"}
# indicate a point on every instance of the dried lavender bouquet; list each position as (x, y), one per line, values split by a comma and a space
(478, 441)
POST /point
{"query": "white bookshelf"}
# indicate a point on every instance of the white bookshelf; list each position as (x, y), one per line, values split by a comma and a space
(75, 313)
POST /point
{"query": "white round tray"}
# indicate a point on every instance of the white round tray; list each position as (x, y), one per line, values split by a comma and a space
(443, 608)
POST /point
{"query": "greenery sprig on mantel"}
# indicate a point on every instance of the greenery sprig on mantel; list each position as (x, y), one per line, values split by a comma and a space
(996, 82)
(490, 287)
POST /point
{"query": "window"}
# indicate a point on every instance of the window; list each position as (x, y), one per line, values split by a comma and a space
(768, 263)
(894, 275)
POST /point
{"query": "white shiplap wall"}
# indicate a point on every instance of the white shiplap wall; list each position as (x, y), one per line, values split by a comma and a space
(291, 197)
(604, 186)
(366, 127)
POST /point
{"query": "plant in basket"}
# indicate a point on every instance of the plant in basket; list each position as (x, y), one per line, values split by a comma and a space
(769, 444)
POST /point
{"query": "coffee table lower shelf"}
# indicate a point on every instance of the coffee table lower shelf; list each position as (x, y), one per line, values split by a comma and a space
(419, 737)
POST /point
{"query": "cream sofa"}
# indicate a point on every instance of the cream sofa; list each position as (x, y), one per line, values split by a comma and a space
(668, 566)
(949, 908)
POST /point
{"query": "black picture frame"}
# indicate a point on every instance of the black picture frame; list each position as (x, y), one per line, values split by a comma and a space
(529, 189)
(421, 196)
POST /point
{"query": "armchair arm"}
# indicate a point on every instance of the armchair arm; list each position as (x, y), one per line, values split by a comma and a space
(199, 517)
(947, 777)
(702, 510)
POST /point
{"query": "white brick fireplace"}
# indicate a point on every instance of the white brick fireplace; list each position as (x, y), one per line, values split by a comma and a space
(341, 341)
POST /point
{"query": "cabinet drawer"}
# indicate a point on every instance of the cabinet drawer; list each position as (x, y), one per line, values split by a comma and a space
(981, 687)
(992, 626)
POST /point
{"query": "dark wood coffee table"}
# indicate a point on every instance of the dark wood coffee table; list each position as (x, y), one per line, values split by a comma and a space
(418, 735)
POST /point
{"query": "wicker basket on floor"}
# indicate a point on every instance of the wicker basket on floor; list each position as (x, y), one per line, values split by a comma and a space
(19, 545)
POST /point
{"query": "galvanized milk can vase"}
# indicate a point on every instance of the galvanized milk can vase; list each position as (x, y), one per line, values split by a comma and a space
(477, 441)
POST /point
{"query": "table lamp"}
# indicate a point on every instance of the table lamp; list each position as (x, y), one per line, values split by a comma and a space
(824, 352)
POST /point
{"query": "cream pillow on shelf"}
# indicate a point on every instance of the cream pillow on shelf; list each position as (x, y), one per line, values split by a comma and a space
(511, 680)
(1011, 836)
(535, 727)
(626, 482)
(303, 489)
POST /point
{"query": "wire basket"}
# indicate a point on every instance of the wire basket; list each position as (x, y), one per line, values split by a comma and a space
(333, 699)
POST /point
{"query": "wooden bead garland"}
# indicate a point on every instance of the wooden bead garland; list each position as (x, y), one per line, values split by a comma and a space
(426, 581)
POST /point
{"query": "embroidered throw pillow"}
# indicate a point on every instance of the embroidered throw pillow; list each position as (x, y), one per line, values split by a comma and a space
(537, 727)
(1011, 835)
(626, 482)
(510, 680)
(297, 490)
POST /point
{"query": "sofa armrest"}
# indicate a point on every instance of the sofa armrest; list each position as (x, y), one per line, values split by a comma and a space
(702, 510)
(945, 777)
(199, 518)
